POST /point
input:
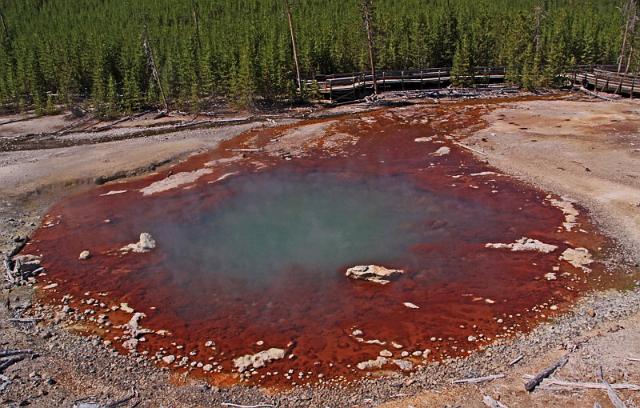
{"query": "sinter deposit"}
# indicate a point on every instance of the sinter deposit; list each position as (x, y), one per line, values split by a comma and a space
(373, 273)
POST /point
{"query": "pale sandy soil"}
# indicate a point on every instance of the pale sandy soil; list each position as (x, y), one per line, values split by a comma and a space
(588, 151)
(550, 143)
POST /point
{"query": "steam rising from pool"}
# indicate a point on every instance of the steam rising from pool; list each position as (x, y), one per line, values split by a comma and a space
(317, 224)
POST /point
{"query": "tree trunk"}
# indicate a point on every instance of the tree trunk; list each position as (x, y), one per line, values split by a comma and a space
(293, 45)
(154, 69)
(367, 15)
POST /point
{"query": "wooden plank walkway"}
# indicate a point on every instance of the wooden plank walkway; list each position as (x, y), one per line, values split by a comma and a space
(349, 86)
(601, 79)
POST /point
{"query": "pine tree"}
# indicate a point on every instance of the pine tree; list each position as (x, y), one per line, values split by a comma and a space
(242, 85)
(462, 71)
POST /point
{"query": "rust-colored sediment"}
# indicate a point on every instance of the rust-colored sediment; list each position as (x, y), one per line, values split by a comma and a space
(468, 295)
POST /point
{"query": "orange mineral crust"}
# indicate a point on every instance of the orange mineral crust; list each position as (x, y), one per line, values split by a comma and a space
(241, 273)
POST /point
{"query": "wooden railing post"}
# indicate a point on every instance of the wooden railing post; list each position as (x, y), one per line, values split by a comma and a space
(439, 84)
(633, 85)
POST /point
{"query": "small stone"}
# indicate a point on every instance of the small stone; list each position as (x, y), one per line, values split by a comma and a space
(84, 255)
(553, 307)
(207, 368)
(169, 359)
(386, 353)
(550, 276)
(471, 338)
(411, 305)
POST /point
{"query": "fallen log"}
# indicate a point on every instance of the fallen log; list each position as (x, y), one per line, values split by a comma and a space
(491, 403)
(516, 360)
(594, 94)
(554, 384)
(477, 380)
(613, 396)
(464, 146)
(7, 353)
(537, 379)
(9, 362)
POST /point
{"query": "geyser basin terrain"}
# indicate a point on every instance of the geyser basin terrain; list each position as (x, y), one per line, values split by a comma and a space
(246, 280)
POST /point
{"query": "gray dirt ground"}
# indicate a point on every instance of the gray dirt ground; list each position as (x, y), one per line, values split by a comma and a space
(550, 143)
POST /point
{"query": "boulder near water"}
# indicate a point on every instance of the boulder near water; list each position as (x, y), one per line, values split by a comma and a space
(373, 273)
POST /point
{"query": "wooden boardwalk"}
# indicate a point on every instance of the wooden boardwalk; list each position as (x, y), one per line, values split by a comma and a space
(606, 79)
(350, 86)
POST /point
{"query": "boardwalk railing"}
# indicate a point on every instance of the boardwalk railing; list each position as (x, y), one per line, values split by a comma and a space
(606, 79)
(354, 85)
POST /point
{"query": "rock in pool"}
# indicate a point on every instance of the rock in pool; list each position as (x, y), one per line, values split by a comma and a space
(373, 273)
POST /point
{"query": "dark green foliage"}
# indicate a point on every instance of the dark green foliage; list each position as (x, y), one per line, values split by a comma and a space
(60, 52)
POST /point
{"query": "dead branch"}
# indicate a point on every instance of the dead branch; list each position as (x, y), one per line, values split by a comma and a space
(552, 383)
(476, 380)
(8, 353)
(229, 404)
(613, 396)
(5, 382)
(516, 360)
(594, 94)
(9, 362)
(464, 146)
(537, 379)
(491, 403)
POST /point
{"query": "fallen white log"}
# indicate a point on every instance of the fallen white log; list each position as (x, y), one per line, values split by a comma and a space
(613, 396)
(551, 383)
(476, 380)
(491, 403)
(516, 360)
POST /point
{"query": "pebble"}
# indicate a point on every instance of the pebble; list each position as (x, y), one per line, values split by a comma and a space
(169, 359)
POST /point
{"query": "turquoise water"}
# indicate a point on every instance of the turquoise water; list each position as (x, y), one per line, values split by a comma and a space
(287, 222)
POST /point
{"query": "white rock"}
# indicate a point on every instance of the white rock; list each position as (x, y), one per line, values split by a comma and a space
(578, 257)
(258, 360)
(50, 286)
(169, 359)
(207, 367)
(525, 244)
(386, 353)
(357, 333)
(144, 244)
(404, 364)
(84, 255)
(125, 308)
(550, 276)
(373, 273)
(569, 210)
(130, 344)
(423, 139)
(443, 151)
(372, 364)
(411, 305)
